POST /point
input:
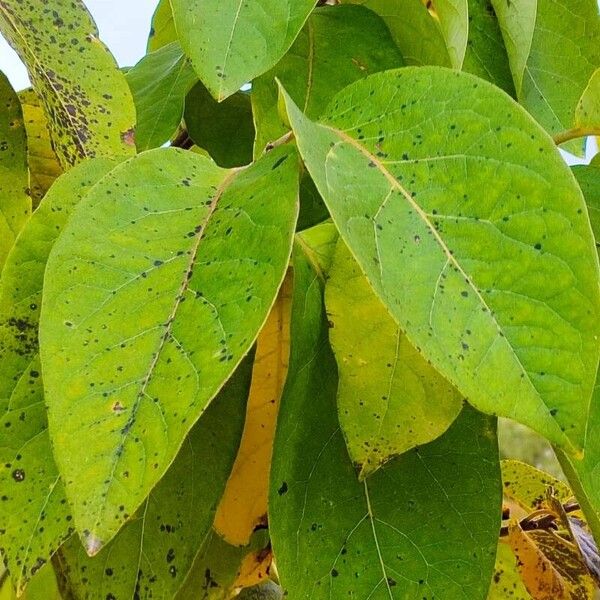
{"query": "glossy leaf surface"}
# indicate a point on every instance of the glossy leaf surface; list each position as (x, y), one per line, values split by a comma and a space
(230, 43)
(507, 282)
(423, 526)
(389, 399)
(139, 332)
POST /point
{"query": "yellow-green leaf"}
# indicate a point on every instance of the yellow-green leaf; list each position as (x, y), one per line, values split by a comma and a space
(389, 398)
(86, 98)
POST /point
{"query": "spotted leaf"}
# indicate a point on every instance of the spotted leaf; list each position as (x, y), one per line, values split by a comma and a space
(86, 97)
(144, 318)
(33, 511)
(389, 399)
(232, 42)
(499, 290)
(424, 526)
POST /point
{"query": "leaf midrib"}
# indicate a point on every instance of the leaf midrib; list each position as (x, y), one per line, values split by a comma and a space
(41, 69)
(450, 257)
(126, 429)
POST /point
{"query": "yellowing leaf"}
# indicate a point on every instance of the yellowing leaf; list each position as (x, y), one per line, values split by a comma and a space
(527, 485)
(255, 568)
(44, 167)
(506, 582)
(549, 565)
(244, 503)
(540, 577)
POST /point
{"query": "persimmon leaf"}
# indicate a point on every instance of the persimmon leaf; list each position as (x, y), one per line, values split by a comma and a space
(33, 512)
(231, 43)
(159, 83)
(243, 506)
(389, 399)
(500, 292)
(162, 31)
(15, 204)
(86, 97)
(424, 525)
(144, 318)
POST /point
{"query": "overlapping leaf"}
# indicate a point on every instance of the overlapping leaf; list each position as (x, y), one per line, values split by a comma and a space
(425, 525)
(86, 97)
(554, 49)
(152, 555)
(243, 506)
(389, 399)
(162, 31)
(144, 317)
(159, 83)
(224, 129)
(34, 518)
(231, 43)
(338, 45)
(42, 161)
(499, 290)
(15, 205)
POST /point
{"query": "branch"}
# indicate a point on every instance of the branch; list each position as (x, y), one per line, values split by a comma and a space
(576, 132)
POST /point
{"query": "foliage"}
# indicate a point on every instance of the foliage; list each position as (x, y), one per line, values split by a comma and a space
(268, 359)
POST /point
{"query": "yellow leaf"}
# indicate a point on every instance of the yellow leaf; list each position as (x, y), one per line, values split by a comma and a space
(244, 503)
(255, 568)
(44, 167)
(550, 566)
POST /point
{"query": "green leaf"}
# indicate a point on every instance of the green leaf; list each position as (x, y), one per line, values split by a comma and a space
(517, 23)
(423, 526)
(216, 567)
(154, 551)
(587, 113)
(85, 96)
(414, 30)
(162, 31)
(554, 49)
(319, 244)
(144, 318)
(338, 45)
(43, 163)
(34, 518)
(15, 204)
(486, 55)
(453, 17)
(231, 43)
(224, 129)
(584, 475)
(389, 398)
(159, 83)
(500, 291)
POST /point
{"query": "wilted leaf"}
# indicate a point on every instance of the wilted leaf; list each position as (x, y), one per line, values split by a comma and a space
(244, 503)
(43, 163)
(159, 83)
(153, 553)
(15, 205)
(425, 525)
(162, 31)
(389, 398)
(144, 317)
(231, 43)
(34, 518)
(224, 129)
(504, 301)
(86, 97)
(338, 45)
